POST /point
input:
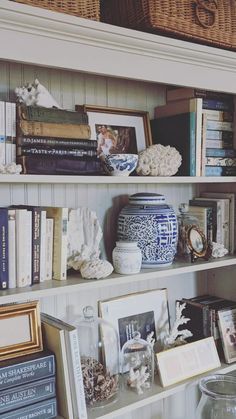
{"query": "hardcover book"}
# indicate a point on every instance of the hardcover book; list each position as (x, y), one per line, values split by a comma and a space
(2, 133)
(69, 343)
(41, 114)
(190, 92)
(47, 129)
(4, 274)
(220, 171)
(26, 369)
(12, 248)
(220, 152)
(211, 204)
(19, 396)
(55, 152)
(46, 409)
(178, 131)
(57, 142)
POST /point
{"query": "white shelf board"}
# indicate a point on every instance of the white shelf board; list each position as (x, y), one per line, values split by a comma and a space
(61, 179)
(76, 283)
(129, 401)
(38, 36)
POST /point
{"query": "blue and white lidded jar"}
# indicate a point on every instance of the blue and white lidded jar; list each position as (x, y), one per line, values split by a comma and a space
(127, 257)
(153, 224)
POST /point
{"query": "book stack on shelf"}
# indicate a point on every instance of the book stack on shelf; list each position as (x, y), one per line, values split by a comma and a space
(7, 132)
(200, 125)
(55, 141)
(33, 245)
(215, 212)
(204, 312)
(28, 387)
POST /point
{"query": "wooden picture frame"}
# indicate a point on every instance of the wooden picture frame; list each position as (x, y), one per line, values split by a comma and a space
(129, 131)
(20, 329)
(186, 361)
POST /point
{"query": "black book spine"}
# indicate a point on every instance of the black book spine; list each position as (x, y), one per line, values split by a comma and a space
(56, 142)
(57, 152)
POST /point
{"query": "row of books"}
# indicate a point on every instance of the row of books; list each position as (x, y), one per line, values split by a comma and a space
(33, 245)
(215, 212)
(200, 125)
(207, 316)
(55, 141)
(28, 387)
(7, 132)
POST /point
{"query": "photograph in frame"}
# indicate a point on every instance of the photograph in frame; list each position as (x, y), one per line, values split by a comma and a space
(118, 131)
(227, 328)
(144, 312)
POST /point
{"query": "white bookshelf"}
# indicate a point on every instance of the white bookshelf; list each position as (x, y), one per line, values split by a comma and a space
(82, 61)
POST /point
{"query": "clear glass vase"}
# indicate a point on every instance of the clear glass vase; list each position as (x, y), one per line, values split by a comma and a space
(218, 400)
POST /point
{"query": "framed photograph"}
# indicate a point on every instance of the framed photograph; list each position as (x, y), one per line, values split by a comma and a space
(24, 320)
(187, 360)
(118, 130)
(143, 312)
(227, 327)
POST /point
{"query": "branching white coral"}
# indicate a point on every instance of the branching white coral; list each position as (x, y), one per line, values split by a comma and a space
(158, 160)
(177, 337)
(138, 379)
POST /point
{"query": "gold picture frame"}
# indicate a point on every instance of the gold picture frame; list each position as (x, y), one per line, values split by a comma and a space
(132, 127)
(20, 330)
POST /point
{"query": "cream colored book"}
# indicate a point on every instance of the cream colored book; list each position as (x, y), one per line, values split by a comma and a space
(47, 129)
(49, 248)
(43, 246)
(59, 261)
(23, 247)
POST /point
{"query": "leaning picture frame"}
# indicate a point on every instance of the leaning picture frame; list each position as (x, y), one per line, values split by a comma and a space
(227, 328)
(24, 320)
(125, 130)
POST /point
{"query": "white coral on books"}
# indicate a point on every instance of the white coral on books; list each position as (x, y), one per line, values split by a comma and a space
(158, 160)
(176, 336)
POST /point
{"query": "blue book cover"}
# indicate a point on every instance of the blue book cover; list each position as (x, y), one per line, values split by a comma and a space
(220, 171)
(3, 248)
(220, 152)
(25, 369)
(46, 409)
(178, 131)
(217, 104)
(19, 396)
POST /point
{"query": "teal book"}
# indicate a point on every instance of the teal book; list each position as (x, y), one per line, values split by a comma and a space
(178, 131)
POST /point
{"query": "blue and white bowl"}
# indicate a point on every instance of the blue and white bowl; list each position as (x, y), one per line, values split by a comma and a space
(119, 164)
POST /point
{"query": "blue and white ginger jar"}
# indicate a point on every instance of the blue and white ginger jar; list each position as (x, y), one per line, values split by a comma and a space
(153, 224)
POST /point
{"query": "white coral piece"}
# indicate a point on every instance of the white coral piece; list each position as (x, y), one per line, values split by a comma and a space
(218, 250)
(177, 337)
(158, 160)
(11, 168)
(138, 379)
(96, 269)
(35, 94)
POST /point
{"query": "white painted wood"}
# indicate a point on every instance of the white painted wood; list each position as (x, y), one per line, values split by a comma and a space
(79, 44)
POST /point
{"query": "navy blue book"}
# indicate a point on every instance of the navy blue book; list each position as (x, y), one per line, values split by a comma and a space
(47, 409)
(220, 171)
(25, 369)
(3, 248)
(218, 104)
(178, 131)
(19, 396)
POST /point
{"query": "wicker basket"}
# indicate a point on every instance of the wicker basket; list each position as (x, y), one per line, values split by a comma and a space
(89, 9)
(207, 21)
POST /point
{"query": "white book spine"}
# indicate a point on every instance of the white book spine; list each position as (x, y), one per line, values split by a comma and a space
(8, 148)
(76, 376)
(2, 133)
(49, 247)
(43, 246)
(13, 132)
(29, 247)
(12, 248)
(23, 248)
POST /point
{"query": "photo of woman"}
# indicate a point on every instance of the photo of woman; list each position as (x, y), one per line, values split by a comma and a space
(114, 139)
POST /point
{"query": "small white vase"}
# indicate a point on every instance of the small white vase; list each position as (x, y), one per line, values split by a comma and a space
(127, 257)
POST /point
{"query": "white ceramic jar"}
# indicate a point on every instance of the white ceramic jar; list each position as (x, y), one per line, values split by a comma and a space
(127, 257)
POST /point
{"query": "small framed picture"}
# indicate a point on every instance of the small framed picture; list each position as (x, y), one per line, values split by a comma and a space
(118, 130)
(24, 320)
(227, 327)
(186, 361)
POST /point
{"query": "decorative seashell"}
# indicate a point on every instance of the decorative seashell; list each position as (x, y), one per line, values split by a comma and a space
(84, 236)
(96, 269)
(158, 160)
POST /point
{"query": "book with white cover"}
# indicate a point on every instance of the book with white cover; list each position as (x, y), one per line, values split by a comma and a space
(12, 248)
(232, 214)
(23, 247)
(49, 248)
(59, 264)
(43, 246)
(2, 132)
(74, 365)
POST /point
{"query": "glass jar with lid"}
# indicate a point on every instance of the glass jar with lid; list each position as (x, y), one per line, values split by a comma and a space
(137, 359)
(218, 399)
(99, 351)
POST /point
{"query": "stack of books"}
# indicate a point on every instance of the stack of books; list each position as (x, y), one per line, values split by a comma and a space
(55, 141)
(199, 124)
(33, 245)
(28, 387)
